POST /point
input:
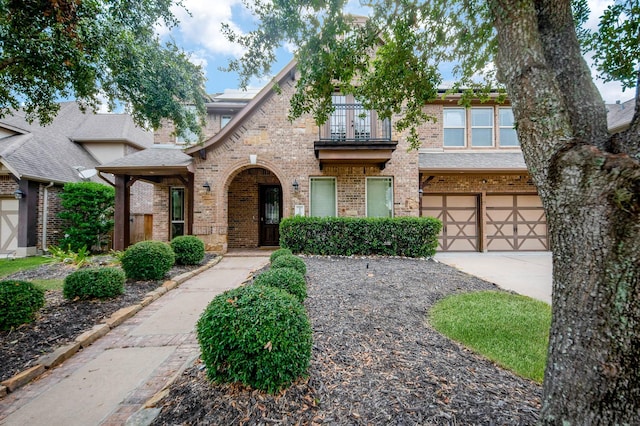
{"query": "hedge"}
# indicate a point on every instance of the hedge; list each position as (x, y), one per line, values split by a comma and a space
(402, 236)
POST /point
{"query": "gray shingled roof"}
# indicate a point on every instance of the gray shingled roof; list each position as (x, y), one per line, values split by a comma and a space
(472, 161)
(112, 127)
(47, 153)
(155, 156)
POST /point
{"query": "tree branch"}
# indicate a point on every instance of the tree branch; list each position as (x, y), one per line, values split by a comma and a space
(7, 62)
(585, 106)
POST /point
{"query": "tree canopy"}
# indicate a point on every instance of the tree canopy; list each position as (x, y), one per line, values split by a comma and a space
(51, 50)
(400, 52)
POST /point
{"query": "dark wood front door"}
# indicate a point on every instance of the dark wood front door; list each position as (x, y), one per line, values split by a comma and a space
(270, 214)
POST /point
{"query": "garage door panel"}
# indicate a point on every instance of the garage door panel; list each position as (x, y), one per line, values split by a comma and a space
(515, 222)
(459, 216)
(8, 225)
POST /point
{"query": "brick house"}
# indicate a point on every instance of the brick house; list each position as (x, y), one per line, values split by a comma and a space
(36, 161)
(255, 167)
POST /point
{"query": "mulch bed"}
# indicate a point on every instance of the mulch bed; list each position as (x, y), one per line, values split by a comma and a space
(375, 361)
(60, 321)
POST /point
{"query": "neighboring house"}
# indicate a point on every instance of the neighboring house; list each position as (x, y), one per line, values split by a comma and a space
(36, 161)
(255, 167)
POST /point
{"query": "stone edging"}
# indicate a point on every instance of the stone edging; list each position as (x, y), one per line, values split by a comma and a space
(85, 339)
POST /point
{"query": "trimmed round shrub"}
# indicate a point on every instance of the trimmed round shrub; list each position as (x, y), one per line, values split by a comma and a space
(290, 261)
(90, 283)
(288, 279)
(19, 301)
(280, 252)
(257, 335)
(148, 260)
(189, 249)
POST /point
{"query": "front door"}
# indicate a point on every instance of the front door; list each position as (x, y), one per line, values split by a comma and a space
(270, 214)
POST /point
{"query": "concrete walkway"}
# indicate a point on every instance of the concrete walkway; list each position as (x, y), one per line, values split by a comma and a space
(528, 273)
(110, 380)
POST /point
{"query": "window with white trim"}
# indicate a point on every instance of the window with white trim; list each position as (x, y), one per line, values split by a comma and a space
(177, 201)
(322, 196)
(481, 127)
(489, 127)
(224, 120)
(508, 135)
(455, 125)
(379, 197)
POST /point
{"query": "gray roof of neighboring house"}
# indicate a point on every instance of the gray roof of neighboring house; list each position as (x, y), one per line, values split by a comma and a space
(619, 116)
(112, 127)
(472, 161)
(47, 153)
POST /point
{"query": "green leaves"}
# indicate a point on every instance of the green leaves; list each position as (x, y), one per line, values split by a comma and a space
(88, 215)
(95, 48)
(19, 301)
(257, 335)
(616, 51)
(403, 236)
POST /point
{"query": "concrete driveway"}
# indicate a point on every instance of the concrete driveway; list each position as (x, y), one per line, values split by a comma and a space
(527, 273)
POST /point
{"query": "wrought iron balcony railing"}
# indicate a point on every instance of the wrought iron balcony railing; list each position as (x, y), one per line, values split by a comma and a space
(354, 123)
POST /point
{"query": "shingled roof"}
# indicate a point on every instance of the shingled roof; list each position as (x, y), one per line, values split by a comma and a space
(156, 160)
(459, 162)
(49, 154)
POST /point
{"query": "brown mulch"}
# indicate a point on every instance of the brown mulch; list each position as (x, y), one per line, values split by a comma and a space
(375, 361)
(60, 321)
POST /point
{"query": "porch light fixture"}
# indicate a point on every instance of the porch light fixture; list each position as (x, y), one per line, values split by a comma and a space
(296, 185)
(253, 158)
(18, 193)
(207, 187)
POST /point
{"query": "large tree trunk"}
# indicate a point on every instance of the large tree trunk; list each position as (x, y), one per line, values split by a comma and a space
(591, 194)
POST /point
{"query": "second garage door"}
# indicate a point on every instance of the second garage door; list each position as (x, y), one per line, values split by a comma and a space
(515, 222)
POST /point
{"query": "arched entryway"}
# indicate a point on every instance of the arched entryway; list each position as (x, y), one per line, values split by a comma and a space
(254, 209)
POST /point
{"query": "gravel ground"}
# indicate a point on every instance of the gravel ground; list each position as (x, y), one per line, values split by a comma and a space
(376, 360)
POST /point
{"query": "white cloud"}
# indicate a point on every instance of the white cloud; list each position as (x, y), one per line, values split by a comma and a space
(203, 26)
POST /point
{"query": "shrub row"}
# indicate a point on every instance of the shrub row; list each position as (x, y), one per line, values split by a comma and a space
(403, 236)
(146, 260)
(259, 334)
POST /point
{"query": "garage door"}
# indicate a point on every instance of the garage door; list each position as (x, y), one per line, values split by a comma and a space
(515, 222)
(8, 225)
(459, 216)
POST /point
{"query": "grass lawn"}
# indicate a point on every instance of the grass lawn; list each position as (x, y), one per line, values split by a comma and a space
(508, 329)
(10, 266)
(55, 284)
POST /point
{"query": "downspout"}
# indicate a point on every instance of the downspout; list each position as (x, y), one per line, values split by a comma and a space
(45, 215)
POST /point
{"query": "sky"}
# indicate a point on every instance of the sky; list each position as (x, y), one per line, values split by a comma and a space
(199, 33)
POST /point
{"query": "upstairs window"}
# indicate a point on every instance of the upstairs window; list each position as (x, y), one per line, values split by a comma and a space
(224, 120)
(455, 124)
(508, 135)
(481, 127)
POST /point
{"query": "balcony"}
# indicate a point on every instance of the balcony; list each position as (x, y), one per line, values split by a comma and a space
(355, 136)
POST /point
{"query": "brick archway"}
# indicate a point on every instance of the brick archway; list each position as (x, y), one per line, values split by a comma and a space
(246, 218)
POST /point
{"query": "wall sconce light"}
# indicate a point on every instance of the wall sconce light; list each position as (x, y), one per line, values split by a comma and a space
(253, 158)
(207, 187)
(420, 191)
(18, 193)
(296, 185)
